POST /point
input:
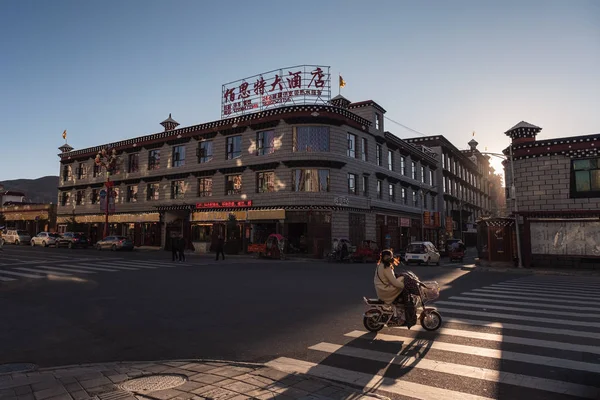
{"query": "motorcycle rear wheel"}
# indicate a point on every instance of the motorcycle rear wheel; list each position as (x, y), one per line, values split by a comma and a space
(372, 325)
(431, 321)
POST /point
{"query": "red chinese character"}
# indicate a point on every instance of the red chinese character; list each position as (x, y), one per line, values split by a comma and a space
(229, 95)
(227, 109)
(276, 81)
(259, 86)
(244, 93)
(295, 81)
(317, 78)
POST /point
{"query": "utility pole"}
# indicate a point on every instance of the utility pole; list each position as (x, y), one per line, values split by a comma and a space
(516, 211)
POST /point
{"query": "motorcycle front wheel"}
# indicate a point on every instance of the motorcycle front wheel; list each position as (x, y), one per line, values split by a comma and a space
(372, 324)
(431, 320)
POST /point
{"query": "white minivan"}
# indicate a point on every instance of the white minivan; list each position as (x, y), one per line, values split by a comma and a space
(422, 253)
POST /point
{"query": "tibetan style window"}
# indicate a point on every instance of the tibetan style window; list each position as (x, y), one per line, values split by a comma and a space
(233, 184)
(392, 192)
(265, 143)
(378, 155)
(365, 186)
(205, 151)
(64, 199)
(379, 189)
(585, 178)
(153, 159)
(390, 160)
(431, 181)
(310, 180)
(132, 194)
(177, 189)
(133, 163)
(205, 187)
(116, 193)
(234, 147)
(423, 175)
(79, 195)
(413, 170)
(364, 149)
(415, 198)
(377, 121)
(97, 171)
(81, 171)
(351, 151)
(178, 156)
(152, 192)
(311, 138)
(352, 189)
(66, 173)
(95, 196)
(265, 182)
(403, 165)
(404, 195)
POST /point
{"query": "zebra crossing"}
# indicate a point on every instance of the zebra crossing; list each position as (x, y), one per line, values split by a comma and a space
(535, 337)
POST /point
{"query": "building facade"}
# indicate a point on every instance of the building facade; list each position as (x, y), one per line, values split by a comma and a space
(557, 191)
(468, 185)
(309, 172)
(30, 217)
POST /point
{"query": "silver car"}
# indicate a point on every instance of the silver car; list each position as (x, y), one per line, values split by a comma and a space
(17, 237)
(45, 239)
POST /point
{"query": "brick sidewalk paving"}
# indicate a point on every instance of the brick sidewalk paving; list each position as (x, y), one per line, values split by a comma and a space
(195, 379)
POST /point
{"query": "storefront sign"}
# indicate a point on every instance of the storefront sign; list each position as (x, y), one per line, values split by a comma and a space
(254, 215)
(341, 201)
(212, 216)
(302, 84)
(224, 204)
(405, 222)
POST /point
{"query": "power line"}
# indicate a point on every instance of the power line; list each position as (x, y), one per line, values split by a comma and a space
(406, 127)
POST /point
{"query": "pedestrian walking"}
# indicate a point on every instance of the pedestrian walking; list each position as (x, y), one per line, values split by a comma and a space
(181, 248)
(175, 248)
(220, 247)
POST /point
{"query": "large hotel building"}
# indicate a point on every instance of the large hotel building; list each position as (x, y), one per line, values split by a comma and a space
(309, 172)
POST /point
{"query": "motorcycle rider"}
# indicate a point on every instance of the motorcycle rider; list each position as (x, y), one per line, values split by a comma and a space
(387, 286)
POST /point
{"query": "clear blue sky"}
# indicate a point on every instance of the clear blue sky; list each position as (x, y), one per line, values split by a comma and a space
(110, 70)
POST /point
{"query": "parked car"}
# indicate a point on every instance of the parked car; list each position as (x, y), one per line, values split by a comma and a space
(13, 236)
(73, 239)
(45, 239)
(422, 253)
(115, 243)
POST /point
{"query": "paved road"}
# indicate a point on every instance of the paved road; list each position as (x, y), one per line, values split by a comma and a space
(505, 336)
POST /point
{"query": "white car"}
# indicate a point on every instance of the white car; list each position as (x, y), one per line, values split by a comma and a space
(422, 253)
(45, 239)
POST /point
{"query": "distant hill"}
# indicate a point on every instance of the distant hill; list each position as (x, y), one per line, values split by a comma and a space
(41, 190)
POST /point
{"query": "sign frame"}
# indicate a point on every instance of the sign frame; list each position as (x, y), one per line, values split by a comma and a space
(224, 204)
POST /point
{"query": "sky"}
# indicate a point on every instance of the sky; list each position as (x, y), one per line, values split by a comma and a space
(111, 70)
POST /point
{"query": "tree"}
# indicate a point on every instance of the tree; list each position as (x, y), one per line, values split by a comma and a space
(233, 235)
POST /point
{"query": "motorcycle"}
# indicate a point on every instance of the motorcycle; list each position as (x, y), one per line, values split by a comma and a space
(379, 314)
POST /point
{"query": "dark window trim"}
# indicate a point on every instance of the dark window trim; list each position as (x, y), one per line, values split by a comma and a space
(573, 193)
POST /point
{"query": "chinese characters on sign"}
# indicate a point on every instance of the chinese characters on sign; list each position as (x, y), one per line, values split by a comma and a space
(224, 204)
(303, 84)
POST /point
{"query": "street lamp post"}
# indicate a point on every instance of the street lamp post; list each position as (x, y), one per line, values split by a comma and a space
(108, 161)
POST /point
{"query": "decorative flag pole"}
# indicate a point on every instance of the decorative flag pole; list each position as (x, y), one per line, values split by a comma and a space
(64, 135)
(342, 83)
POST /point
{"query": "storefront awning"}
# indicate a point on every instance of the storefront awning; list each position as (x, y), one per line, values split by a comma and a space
(113, 218)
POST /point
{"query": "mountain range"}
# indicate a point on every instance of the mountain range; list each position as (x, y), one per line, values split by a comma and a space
(40, 190)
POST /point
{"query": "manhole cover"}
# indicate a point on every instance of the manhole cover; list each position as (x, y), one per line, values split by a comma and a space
(16, 367)
(153, 383)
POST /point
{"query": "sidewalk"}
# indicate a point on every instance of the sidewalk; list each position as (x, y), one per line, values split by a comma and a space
(170, 380)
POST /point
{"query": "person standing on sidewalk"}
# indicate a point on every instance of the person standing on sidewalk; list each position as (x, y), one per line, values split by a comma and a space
(220, 247)
(175, 247)
(181, 248)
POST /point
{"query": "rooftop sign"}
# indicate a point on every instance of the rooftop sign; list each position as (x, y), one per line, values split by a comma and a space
(302, 84)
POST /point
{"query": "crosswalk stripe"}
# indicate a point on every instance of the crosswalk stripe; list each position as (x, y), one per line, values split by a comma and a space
(525, 303)
(115, 267)
(484, 352)
(21, 274)
(590, 280)
(130, 265)
(91, 268)
(488, 314)
(43, 272)
(538, 311)
(80, 271)
(3, 279)
(526, 328)
(491, 375)
(493, 337)
(368, 381)
(552, 287)
(588, 293)
(538, 282)
(536, 295)
(547, 300)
